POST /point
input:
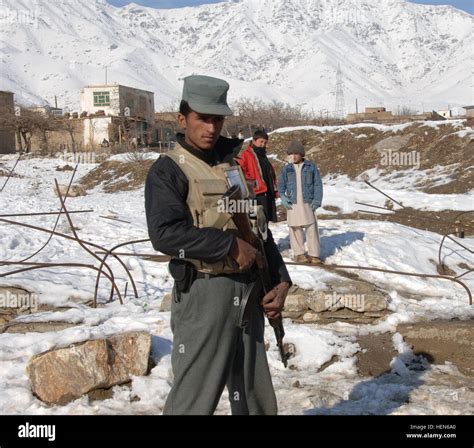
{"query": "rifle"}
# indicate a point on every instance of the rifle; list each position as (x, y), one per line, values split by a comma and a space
(242, 222)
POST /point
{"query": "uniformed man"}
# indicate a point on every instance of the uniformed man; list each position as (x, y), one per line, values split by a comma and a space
(217, 314)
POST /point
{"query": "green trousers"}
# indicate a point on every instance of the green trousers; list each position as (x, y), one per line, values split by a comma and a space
(211, 350)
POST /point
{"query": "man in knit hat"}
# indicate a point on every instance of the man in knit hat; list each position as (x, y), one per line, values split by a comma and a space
(301, 192)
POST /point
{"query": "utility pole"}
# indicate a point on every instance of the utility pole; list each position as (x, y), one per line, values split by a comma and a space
(340, 104)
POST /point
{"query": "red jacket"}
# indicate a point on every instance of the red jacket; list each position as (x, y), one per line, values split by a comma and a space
(249, 163)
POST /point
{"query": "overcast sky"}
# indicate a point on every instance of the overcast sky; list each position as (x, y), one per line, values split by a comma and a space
(467, 5)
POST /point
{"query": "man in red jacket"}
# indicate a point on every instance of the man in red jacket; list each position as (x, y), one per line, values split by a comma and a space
(259, 171)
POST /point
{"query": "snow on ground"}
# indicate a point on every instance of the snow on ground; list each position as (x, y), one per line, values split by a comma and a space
(336, 390)
(377, 126)
(342, 192)
(129, 157)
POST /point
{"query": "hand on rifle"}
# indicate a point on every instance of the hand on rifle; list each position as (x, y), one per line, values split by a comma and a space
(243, 253)
(274, 301)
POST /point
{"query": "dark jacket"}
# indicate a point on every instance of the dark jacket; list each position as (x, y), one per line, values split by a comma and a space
(170, 224)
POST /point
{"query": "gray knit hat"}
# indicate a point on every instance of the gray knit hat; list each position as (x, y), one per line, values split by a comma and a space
(296, 147)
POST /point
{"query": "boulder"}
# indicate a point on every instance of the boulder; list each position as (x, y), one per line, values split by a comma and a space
(369, 303)
(62, 375)
(295, 303)
(320, 301)
(15, 301)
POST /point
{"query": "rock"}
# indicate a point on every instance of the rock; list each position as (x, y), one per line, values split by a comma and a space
(166, 303)
(6, 316)
(346, 315)
(295, 302)
(131, 354)
(343, 314)
(310, 317)
(317, 302)
(74, 191)
(36, 327)
(65, 168)
(15, 301)
(369, 303)
(393, 143)
(320, 301)
(18, 299)
(296, 384)
(62, 375)
(295, 306)
(376, 314)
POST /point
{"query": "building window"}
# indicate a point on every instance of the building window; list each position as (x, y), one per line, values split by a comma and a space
(101, 99)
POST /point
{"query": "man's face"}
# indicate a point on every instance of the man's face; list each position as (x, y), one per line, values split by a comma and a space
(260, 143)
(297, 158)
(202, 131)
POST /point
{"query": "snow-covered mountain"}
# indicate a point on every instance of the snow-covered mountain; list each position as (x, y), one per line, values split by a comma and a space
(391, 52)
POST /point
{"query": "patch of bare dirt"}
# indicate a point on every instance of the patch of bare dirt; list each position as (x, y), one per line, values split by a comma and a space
(116, 176)
(346, 151)
(376, 354)
(437, 341)
(440, 222)
(443, 341)
(356, 150)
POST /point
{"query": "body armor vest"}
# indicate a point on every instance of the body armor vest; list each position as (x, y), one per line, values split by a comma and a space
(207, 185)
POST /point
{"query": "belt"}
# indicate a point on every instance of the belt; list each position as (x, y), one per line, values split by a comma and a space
(207, 276)
(204, 275)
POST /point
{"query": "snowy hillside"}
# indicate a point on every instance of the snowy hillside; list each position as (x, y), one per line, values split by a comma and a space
(289, 50)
